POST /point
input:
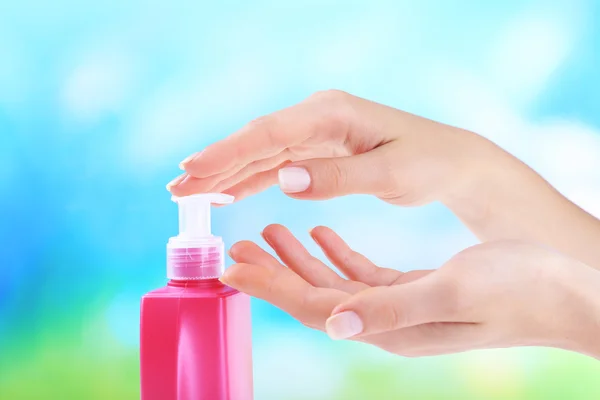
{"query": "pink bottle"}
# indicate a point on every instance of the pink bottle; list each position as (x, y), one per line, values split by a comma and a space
(195, 332)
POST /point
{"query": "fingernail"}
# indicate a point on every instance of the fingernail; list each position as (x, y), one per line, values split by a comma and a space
(176, 181)
(230, 252)
(344, 325)
(262, 234)
(293, 179)
(188, 159)
(233, 250)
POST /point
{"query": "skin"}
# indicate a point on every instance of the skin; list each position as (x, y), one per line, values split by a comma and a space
(535, 240)
(496, 294)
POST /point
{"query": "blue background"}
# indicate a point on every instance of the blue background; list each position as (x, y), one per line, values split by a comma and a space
(100, 100)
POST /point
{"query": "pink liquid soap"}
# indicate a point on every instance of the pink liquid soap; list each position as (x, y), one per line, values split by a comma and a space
(196, 332)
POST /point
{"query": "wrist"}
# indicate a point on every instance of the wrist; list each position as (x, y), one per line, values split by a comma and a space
(485, 179)
(506, 199)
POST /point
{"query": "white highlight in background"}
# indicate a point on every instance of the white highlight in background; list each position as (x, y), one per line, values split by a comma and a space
(97, 84)
(526, 54)
(179, 115)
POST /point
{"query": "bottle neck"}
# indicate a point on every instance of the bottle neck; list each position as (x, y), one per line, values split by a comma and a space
(198, 283)
(195, 261)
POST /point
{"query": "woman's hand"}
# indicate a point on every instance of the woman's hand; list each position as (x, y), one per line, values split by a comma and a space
(498, 294)
(335, 144)
(340, 144)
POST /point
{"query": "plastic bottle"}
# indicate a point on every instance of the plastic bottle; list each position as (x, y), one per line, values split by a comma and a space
(195, 332)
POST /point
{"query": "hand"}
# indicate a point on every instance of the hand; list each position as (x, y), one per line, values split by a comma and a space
(340, 145)
(335, 144)
(491, 295)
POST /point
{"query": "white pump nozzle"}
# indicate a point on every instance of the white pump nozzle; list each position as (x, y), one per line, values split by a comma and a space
(196, 253)
(194, 214)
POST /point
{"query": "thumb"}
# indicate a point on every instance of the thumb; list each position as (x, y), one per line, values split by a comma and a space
(324, 178)
(389, 308)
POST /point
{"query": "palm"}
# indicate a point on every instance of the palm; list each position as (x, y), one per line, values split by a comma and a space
(309, 290)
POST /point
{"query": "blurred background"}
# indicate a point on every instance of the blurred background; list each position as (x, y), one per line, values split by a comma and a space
(100, 100)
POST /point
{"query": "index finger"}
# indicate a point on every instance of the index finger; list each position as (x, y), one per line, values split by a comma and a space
(260, 139)
(287, 291)
(323, 113)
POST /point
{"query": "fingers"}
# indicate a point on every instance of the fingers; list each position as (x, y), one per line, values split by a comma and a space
(326, 178)
(249, 253)
(224, 181)
(280, 286)
(322, 126)
(265, 137)
(252, 169)
(260, 139)
(383, 309)
(352, 264)
(254, 184)
(298, 259)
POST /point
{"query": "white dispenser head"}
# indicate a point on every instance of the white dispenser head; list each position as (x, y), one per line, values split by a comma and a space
(196, 253)
(194, 214)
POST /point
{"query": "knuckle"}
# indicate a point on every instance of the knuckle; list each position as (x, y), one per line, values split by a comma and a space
(333, 123)
(336, 174)
(334, 113)
(393, 318)
(329, 95)
(266, 125)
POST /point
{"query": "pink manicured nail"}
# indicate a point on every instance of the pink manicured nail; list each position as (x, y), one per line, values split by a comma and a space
(344, 325)
(188, 159)
(176, 181)
(293, 179)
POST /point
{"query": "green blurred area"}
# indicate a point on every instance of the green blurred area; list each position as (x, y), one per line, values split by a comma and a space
(61, 370)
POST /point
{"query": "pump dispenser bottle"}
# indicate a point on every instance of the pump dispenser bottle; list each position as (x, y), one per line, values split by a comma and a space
(195, 333)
